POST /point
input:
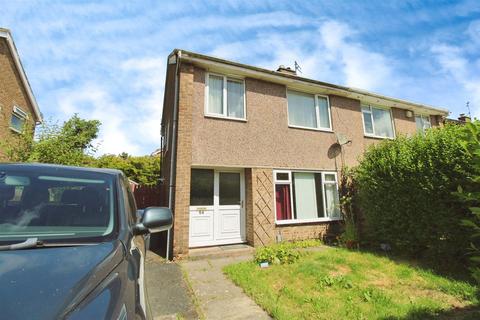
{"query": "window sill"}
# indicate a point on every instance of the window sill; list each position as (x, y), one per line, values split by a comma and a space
(308, 128)
(378, 137)
(15, 130)
(288, 222)
(225, 118)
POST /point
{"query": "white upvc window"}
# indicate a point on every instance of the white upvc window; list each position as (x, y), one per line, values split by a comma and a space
(377, 122)
(306, 196)
(423, 123)
(18, 119)
(225, 97)
(308, 111)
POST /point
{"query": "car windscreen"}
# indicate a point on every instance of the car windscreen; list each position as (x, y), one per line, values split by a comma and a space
(71, 206)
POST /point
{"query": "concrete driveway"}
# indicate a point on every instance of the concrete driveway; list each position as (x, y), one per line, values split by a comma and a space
(196, 288)
(168, 293)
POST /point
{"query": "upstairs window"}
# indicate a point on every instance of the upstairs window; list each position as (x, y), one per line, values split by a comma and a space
(377, 122)
(308, 111)
(225, 97)
(423, 123)
(18, 119)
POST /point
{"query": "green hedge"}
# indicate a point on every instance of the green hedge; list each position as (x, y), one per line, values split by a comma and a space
(470, 194)
(406, 194)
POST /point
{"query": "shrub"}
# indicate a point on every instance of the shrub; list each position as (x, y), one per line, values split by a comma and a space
(283, 253)
(405, 194)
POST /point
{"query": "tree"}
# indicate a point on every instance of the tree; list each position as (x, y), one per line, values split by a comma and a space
(18, 148)
(69, 144)
(72, 144)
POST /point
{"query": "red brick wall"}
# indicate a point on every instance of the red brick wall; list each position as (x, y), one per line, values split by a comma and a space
(184, 161)
(12, 92)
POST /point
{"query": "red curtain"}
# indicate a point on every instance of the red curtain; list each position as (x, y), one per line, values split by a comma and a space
(282, 195)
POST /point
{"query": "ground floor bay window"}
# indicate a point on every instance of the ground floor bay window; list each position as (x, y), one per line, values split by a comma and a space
(302, 196)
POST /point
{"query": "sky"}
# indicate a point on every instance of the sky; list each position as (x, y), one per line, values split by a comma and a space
(106, 59)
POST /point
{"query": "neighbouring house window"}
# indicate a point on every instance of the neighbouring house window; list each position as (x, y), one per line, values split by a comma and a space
(377, 122)
(18, 119)
(225, 97)
(306, 196)
(165, 142)
(423, 123)
(201, 187)
(308, 110)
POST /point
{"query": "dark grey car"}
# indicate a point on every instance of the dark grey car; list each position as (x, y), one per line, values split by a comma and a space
(72, 244)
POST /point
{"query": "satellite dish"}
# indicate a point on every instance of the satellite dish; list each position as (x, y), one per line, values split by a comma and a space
(342, 139)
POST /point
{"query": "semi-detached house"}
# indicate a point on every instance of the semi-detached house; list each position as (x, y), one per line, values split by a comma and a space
(253, 155)
(18, 107)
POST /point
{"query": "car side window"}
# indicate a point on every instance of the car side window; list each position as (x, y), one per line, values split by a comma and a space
(130, 201)
(133, 204)
(128, 209)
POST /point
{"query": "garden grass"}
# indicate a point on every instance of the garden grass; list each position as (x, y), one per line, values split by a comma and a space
(340, 284)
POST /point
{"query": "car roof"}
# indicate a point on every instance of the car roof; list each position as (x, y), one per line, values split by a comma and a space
(55, 167)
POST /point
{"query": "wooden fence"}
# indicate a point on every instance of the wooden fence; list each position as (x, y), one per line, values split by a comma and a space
(147, 196)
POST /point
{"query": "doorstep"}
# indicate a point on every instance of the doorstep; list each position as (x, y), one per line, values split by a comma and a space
(217, 252)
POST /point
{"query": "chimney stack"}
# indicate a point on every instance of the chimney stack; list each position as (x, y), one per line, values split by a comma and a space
(286, 70)
(464, 118)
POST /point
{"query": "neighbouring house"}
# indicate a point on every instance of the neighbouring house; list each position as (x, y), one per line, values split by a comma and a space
(18, 107)
(461, 120)
(251, 155)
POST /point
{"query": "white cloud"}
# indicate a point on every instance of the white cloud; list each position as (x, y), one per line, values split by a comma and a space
(93, 102)
(454, 61)
(108, 61)
(362, 68)
(330, 53)
(131, 122)
(474, 32)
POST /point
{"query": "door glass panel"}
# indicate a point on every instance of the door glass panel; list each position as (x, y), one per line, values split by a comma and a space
(229, 188)
(201, 187)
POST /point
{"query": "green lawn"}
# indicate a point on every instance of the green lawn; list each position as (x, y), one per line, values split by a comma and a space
(341, 284)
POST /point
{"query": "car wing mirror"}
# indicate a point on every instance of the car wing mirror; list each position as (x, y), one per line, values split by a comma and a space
(154, 219)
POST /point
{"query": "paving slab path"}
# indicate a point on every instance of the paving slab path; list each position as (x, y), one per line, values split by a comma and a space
(217, 296)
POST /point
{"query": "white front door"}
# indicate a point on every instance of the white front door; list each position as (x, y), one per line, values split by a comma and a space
(217, 214)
